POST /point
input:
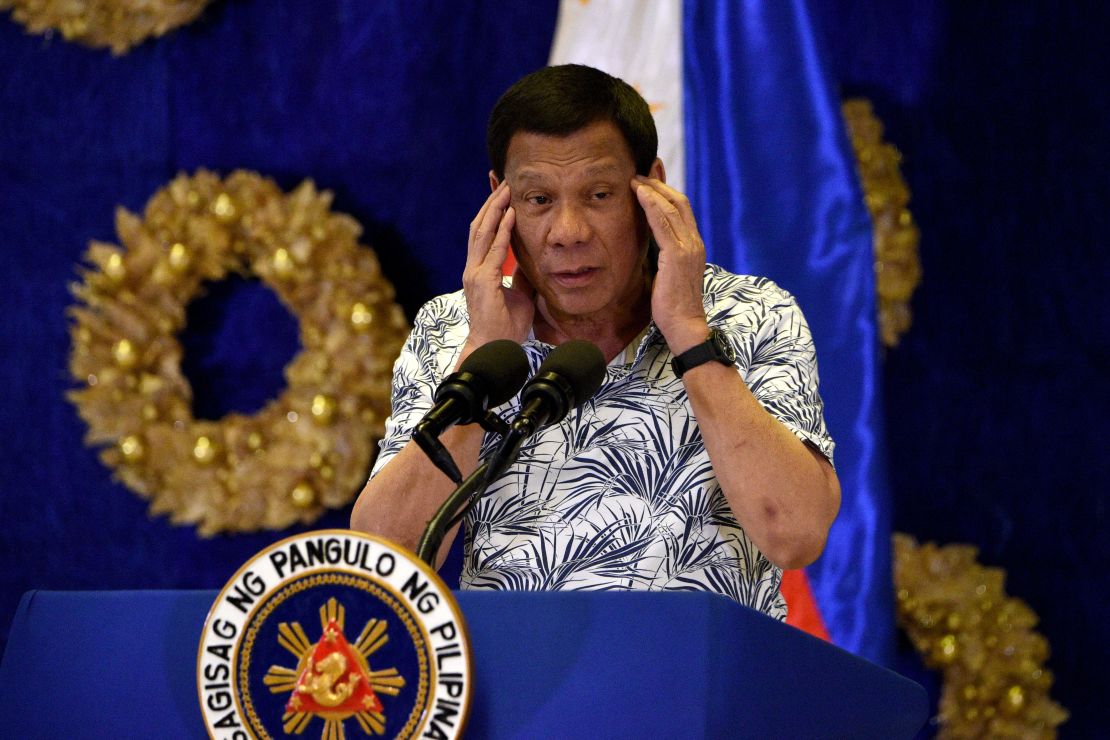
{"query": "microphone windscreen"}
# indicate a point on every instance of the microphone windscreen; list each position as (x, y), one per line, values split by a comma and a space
(578, 362)
(501, 365)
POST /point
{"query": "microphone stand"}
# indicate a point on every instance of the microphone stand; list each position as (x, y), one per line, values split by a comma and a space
(466, 495)
(547, 397)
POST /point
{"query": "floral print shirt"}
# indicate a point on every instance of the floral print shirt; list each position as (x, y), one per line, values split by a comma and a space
(621, 494)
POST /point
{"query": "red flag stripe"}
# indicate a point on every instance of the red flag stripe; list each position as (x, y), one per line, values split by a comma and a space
(801, 608)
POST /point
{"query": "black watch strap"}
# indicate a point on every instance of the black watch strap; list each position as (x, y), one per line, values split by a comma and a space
(716, 348)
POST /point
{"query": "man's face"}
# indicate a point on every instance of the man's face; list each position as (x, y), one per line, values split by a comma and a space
(580, 235)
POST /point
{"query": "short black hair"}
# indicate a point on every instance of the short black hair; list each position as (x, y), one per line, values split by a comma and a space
(557, 101)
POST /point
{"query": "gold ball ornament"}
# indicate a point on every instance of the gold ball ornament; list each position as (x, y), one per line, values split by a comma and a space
(113, 268)
(126, 359)
(223, 207)
(323, 409)
(361, 317)
(124, 354)
(283, 263)
(303, 496)
(131, 447)
(1015, 699)
(205, 450)
(946, 650)
(178, 258)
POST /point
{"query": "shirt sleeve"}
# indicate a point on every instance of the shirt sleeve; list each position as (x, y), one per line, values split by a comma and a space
(777, 359)
(416, 375)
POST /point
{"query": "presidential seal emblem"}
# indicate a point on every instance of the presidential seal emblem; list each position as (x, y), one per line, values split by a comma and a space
(337, 633)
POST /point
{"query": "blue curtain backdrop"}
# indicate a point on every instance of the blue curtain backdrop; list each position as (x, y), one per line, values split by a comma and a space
(997, 397)
(771, 177)
(383, 103)
(994, 402)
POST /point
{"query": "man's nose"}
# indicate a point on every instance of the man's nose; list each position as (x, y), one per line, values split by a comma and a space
(569, 226)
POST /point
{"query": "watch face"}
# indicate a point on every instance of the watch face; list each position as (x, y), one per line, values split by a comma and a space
(724, 347)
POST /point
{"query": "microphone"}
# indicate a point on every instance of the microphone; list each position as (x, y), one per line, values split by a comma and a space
(490, 376)
(565, 379)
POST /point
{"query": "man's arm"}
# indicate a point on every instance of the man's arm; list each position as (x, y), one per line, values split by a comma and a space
(398, 502)
(783, 493)
(400, 499)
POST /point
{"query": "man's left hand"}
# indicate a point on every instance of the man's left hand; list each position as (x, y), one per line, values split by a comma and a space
(676, 297)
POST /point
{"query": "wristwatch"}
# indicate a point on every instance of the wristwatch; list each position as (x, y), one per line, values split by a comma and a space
(716, 348)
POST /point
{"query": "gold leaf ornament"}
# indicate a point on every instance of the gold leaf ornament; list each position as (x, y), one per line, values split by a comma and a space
(960, 620)
(115, 24)
(307, 450)
(894, 233)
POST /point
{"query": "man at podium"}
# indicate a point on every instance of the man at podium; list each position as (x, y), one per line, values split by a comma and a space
(702, 462)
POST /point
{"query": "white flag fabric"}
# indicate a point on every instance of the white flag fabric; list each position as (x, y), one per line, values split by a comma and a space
(641, 43)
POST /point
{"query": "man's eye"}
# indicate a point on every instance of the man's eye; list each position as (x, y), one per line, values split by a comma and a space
(602, 195)
(539, 200)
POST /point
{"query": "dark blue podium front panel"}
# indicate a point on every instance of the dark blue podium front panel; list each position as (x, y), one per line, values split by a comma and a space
(558, 665)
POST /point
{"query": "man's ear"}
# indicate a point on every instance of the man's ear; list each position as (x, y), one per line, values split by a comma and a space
(656, 171)
(493, 181)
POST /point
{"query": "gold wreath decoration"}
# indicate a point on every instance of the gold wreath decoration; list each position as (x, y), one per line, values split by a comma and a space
(959, 618)
(306, 450)
(896, 238)
(116, 24)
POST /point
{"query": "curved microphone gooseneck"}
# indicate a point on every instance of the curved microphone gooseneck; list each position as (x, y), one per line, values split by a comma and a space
(490, 376)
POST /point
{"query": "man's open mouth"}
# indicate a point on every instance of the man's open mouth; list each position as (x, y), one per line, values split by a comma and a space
(577, 276)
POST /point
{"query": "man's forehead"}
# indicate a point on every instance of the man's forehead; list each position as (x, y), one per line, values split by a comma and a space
(597, 150)
(606, 167)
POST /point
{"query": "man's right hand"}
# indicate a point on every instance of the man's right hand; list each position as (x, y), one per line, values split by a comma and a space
(496, 312)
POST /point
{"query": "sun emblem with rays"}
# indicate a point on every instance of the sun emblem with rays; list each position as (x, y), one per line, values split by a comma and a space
(333, 679)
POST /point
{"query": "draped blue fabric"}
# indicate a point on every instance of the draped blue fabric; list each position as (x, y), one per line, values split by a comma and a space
(772, 180)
